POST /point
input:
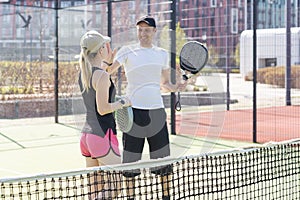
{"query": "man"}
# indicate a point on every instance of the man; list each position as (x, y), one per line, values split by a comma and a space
(147, 70)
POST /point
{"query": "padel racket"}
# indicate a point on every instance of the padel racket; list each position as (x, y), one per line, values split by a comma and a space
(124, 118)
(193, 58)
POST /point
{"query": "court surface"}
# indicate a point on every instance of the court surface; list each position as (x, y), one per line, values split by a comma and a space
(276, 124)
(38, 145)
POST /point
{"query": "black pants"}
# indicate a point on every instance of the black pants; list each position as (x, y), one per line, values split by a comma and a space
(150, 125)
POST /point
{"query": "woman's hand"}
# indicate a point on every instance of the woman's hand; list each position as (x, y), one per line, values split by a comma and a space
(126, 101)
(110, 55)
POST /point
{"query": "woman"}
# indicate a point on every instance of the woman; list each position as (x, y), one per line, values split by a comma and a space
(98, 142)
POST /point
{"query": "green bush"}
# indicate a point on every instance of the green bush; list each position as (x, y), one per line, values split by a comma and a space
(36, 77)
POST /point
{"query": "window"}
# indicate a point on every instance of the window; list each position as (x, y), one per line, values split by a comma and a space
(78, 3)
(213, 3)
(20, 33)
(65, 4)
(6, 19)
(234, 20)
(240, 4)
(131, 5)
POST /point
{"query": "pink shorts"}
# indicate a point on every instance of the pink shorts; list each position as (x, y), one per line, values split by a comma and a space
(96, 147)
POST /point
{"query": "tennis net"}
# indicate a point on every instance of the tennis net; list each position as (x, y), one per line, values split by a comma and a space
(270, 171)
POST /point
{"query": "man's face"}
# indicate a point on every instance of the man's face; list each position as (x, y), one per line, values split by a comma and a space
(145, 33)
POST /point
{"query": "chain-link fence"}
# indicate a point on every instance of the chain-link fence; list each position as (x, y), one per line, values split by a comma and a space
(30, 41)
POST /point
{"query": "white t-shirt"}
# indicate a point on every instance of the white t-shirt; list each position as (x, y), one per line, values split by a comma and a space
(143, 67)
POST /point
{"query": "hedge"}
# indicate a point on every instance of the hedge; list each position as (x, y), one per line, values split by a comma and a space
(276, 76)
(36, 77)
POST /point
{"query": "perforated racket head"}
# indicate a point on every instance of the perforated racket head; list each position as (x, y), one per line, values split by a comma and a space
(193, 57)
(124, 119)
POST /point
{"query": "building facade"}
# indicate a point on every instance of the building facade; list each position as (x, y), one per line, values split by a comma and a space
(217, 23)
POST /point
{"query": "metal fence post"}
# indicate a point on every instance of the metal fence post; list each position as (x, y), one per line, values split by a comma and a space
(288, 54)
(173, 66)
(56, 62)
(254, 70)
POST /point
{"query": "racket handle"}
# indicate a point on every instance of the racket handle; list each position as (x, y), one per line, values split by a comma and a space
(185, 77)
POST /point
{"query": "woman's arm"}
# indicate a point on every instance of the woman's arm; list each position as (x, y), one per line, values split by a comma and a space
(101, 84)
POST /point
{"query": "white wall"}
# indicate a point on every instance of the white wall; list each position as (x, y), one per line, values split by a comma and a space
(271, 43)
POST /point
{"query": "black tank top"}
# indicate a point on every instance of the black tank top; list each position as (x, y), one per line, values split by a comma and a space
(95, 123)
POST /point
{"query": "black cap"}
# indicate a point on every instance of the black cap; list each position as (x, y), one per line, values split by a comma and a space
(148, 20)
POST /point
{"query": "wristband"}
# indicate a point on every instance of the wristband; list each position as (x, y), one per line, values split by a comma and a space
(109, 64)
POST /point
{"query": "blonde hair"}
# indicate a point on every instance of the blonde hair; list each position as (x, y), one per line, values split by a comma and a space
(86, 68)
(90, 44)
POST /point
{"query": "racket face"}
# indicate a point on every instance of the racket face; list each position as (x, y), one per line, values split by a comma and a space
(124, 118)
(193, 56)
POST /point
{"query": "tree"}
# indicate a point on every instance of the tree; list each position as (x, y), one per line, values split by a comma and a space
(237, 55)
(180, 38)
(165, 38)
(213, 57)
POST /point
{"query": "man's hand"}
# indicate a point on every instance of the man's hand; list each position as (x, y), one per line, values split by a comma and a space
(181, 86)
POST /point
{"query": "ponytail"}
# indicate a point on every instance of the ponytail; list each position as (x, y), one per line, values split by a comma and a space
(86, 70)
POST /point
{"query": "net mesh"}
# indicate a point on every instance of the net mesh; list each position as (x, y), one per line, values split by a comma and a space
(268, 172)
